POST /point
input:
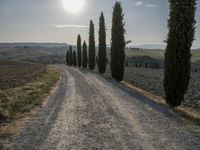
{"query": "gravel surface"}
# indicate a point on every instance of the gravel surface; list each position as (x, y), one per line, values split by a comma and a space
(87, 111)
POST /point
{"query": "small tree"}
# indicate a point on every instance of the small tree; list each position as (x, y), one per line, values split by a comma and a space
(85, 59)
(91, 46)
(70, 56)
(107, 61)
(67, 58)
(79, 50)
(74, 58)
(146, 65)
(126, 63)
(181, 26)
(136, 64)
(118, 43)
(102, 45)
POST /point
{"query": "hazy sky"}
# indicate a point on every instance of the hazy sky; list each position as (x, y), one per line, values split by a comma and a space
(49, 21)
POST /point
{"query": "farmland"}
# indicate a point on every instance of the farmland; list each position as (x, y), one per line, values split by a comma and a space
(24, 86)
(15, 73)
(158, 55)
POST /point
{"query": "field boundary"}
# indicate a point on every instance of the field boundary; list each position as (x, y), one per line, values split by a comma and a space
(31, 100)
(186, 112)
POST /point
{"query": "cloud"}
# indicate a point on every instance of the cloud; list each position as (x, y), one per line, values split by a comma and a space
(138, 3)
(60, 26)
(141, 3)
(152, 5)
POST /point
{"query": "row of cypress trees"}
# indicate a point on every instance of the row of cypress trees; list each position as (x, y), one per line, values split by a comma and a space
(71, 57)
(117, 46)
(181, 25)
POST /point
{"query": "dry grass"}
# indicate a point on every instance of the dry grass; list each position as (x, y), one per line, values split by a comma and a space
(17, 73)
(187, 112)
(18, 102)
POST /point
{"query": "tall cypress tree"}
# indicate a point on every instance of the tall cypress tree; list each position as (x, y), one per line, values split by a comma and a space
(74, 58)
(85, 59)
(118, 43)
(102, 45)
(181, 26)
(91, 46)
(79, 50)
(70, 56)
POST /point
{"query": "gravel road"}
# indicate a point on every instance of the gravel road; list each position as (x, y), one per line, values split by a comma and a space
(87, 111)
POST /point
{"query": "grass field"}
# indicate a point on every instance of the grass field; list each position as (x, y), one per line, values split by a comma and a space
(15, 102)
(159, 55)
(16, 73)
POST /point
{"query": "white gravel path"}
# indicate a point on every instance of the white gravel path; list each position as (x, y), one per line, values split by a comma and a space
(88, 112)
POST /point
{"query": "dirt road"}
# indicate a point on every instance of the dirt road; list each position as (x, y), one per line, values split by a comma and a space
(87, 111)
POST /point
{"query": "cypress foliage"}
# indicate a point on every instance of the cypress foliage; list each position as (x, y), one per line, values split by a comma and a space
(70, 56)
(74, 59)
(79, 50)
(181, 26)
(91, 46)
(118, 43)
(102, 45)
(85, 59)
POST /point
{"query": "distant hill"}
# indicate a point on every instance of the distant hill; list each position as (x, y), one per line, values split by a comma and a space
(156, 46)
(17, 45)
(148, 46)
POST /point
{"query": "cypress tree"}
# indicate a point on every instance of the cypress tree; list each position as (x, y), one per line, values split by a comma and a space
(74, 58)
(181, 27)
(118, 43)
(102, 45)
(91, 46)
(70, 56)
(79, 50)
(85, 59)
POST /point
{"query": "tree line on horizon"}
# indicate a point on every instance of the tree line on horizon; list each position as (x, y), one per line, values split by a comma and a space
(181, 25)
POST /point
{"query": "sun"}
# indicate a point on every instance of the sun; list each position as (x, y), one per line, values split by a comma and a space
(73, 6)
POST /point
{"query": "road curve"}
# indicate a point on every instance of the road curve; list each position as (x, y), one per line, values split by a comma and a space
(87, 111)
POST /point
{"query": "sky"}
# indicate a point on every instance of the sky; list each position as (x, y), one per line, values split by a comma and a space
(50, 21)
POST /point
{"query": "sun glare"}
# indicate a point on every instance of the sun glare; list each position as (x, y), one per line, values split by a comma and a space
(73, 6)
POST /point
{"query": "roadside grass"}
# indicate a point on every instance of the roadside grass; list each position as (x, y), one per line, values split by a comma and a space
(192, 117)
(16, 102)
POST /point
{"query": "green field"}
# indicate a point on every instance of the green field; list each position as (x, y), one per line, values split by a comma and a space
(159, 54)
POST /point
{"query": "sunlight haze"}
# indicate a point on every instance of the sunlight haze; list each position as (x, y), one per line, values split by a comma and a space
(62, 20)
